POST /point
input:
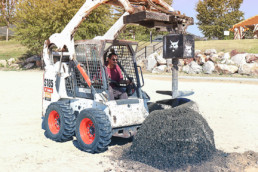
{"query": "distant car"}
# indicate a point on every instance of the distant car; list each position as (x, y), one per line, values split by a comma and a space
(158, 38)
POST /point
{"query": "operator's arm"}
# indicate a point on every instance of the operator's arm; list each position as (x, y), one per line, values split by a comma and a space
(122, 81)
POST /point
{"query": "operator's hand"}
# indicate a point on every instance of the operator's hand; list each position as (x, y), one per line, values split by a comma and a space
(128, 82)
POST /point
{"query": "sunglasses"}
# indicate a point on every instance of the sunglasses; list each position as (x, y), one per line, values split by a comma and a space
(114, 59)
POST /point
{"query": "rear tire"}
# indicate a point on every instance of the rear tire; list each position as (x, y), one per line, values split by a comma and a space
(93, 130)
(59, 122)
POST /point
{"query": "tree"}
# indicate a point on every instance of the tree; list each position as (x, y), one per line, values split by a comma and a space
(7, 12)
(216, 16)
(37, 20)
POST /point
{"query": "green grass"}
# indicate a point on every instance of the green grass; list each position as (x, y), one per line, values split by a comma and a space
(11, 49)
(244, 45)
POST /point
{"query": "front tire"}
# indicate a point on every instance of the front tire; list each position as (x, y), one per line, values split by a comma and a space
(59, 122)
(93, 130)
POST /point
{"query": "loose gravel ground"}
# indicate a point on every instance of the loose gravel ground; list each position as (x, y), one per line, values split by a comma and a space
(230, 109)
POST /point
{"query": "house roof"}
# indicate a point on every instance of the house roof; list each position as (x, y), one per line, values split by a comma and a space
(250, 21)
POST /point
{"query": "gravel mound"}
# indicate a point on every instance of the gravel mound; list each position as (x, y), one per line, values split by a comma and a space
(172, 137)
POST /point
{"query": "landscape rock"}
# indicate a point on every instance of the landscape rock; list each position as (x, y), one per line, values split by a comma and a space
(251, 58)
(3, 63)
(32, 59)
(210, 51)
(186, 69)
(169, 62)
(248, 69)
(226, 69)
(151, 62)
(194, 68)
(11, 61)
(196, 52)
(239, 59)
(14, 65)
(141, 63)
(225, 57)
(161, 60)
(188, 61)
(214, 58)
(221, 54)
(201, 59)
(38, 63)
(208, 67)
(159, 69)
(234, 52)
(29, 66)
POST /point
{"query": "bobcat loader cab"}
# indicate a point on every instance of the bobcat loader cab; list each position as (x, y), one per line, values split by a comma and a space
(75, 97)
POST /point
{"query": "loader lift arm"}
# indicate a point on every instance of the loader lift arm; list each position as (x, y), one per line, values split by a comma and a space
(65, 39)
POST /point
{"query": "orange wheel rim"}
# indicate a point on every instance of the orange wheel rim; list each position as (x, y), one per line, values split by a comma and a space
(54, 122)
(87, 131)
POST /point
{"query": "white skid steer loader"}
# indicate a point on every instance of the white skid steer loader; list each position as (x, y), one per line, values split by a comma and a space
(76, 100)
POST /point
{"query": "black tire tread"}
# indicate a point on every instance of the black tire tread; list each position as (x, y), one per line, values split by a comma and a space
(105, 131)
(69, 122)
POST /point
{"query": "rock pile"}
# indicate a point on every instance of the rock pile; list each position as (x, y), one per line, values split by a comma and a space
(173, 137)
(207, 62)
(32, 62)
(29, 63)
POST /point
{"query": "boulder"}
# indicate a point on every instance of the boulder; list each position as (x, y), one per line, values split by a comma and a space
(197, 52)
(214, 58)
(210, 51)
(3, 63)
(169, 62)
(151, 62)
(226, 69)
(188, 61)
(141, 63)
(161, 60)
(14, 65)
(181, 62)
(11, 61)
(160, 69)
(195, 68)
(221, 54)
(29, 66)
(248, 69)
(32, 59)
(192, 68)
(201, 59)
(208, 67)
(38, 63)
(186, 69)
(239, 59)
(251, 58)
(225, 57)
(233, 53)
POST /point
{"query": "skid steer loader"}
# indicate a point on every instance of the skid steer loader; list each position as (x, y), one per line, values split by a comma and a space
(76, 101)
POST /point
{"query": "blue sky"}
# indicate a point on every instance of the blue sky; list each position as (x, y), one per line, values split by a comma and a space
(249, 7)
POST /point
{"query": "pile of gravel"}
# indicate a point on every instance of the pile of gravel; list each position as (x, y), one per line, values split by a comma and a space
(172, 137)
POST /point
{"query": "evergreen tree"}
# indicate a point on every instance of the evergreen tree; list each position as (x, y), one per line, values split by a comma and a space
(216, 16)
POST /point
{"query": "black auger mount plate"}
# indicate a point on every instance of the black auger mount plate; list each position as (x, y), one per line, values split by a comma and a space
(161, 21)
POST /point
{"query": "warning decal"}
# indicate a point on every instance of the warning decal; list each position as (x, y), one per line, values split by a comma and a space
(49, 90)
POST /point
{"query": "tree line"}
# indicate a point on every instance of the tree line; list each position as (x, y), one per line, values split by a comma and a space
(36, 20)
